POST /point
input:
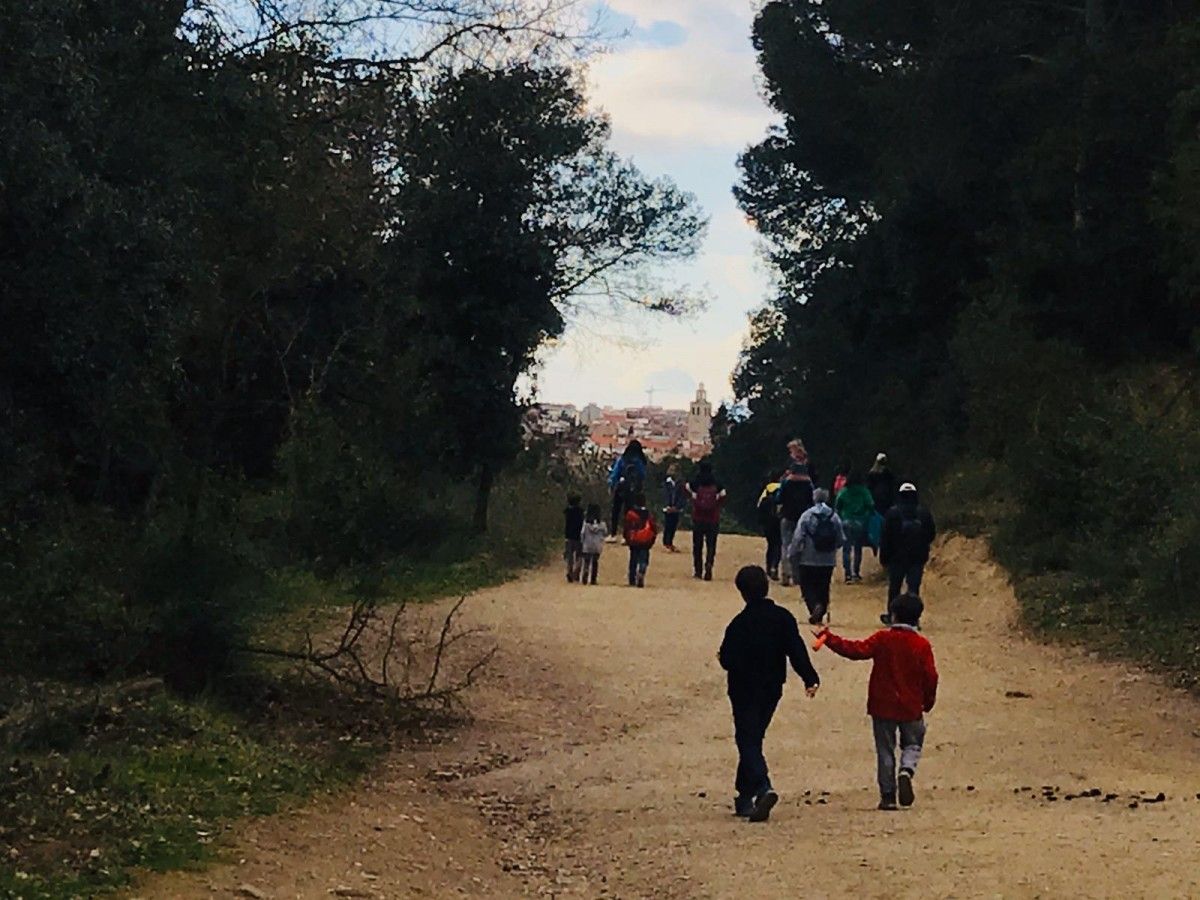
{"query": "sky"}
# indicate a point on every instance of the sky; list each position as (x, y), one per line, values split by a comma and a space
(680, 88)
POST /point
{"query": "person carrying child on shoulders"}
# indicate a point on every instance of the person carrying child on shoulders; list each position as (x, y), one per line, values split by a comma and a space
(640, 533)
(592, 539)
(795, 498)
(758, 645)
(903, 687)
(572, 541)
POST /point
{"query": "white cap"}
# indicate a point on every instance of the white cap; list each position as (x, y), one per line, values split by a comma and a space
(881, 457)
(908, 488)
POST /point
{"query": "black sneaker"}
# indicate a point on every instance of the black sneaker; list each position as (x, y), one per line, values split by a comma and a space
(887, 802)
(849, 579)
(708, 574)
(906, 788)
(696, 574)
(763, 804)
(742, 805)
(641, 580)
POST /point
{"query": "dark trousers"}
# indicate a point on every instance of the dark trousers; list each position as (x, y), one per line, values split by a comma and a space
(907, 574)
(752, 712)
(774, 547)
(704, 545)
(670, 526)
(591, 568)
(852, 550)
(639, 562)
(618, 506)
(814, 588)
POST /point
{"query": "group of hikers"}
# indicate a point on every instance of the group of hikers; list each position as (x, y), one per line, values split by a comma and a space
(632, 522)
(804, 531)
(804, 526)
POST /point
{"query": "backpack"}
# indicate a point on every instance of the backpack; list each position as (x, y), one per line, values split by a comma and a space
(768, 507)
(645, 534)
(912, 534)
(706, 507)
(633, 481)
(825, 535)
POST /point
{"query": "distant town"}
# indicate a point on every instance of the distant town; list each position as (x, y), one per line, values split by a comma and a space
(607, 430)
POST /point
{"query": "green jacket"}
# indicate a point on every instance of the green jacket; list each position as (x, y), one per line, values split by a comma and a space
(855, 504)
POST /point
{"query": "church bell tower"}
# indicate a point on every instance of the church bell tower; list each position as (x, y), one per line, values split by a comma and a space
(700, 418)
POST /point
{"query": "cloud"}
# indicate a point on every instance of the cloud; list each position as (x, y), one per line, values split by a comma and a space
(699, 90)
(681, 94)
(620, 376)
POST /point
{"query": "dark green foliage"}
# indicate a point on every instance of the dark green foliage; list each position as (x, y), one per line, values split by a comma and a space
(984, 219)
(262, 309)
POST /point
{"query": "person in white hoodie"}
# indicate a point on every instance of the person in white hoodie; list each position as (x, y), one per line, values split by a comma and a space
(592, 537)
(819, 534)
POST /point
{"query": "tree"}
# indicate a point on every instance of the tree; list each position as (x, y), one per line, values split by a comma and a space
(509, 211)
(938, 155)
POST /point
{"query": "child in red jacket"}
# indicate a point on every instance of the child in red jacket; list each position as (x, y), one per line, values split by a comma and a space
(640, 533)
(903, 688)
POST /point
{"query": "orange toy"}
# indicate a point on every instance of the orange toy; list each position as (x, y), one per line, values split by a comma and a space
(820, 641)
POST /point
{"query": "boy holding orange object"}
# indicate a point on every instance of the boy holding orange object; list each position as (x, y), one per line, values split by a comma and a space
(902, 689)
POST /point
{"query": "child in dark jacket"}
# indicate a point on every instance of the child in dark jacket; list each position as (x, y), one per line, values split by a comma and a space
(902, 689)
(573, 536)
(758, 644)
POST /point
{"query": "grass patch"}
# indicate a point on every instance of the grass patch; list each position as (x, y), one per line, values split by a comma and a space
(103, 781)
(1072, 591)
(96, 788)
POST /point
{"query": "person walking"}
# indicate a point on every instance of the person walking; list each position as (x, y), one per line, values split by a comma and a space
(572, 536)
(768, 521)
(592, 539)
(795, 498)
(908, 533)
(903, 687)
(854, 506)
(640, 533)
(625, 479)
(707, 496)
(674, 502)
(815, 544)
(758, 645)
(840, 479)
(881, 482)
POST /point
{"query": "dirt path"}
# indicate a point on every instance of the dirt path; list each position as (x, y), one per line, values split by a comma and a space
(601, 762)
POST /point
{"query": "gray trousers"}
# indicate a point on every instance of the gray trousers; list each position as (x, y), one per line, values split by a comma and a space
(791, 564)
(910, 736)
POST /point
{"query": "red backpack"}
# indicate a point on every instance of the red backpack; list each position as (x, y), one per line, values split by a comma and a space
(706, 507)
(645, 534)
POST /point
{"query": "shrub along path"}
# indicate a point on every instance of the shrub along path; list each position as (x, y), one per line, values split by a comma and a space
(600, 763)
